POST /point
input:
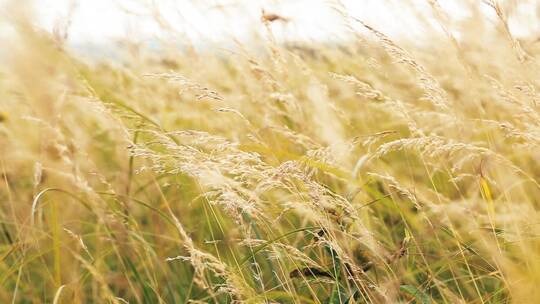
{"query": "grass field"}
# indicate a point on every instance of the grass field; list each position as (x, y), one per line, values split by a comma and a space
(373, 171)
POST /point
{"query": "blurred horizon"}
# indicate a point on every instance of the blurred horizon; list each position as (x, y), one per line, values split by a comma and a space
(95, 28)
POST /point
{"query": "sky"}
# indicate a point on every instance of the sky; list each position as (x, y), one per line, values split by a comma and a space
(104, 21)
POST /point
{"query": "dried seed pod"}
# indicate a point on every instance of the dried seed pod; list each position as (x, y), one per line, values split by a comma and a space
(309, 272)
(270, 17)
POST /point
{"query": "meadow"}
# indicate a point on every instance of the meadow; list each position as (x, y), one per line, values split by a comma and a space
(367, 171)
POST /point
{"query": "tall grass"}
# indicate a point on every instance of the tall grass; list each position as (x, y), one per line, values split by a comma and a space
(373, 171)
